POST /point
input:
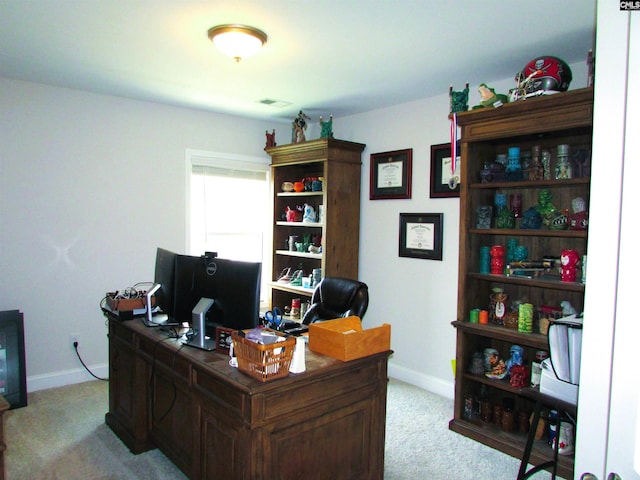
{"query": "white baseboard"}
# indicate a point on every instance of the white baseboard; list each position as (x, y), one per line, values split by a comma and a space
(65, 377)
(426, 382)
(79, 375)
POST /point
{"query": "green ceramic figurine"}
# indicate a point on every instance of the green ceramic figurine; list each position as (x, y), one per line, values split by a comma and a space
(459, 101)
(326, 128)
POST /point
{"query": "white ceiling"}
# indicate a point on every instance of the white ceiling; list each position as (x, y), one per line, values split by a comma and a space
(326, 57)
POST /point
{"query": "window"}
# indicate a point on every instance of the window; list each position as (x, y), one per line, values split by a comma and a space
(229, 208)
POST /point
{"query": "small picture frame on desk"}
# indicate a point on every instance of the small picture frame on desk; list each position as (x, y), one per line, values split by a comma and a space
(421, 235)
(223, 339)
(390, 175)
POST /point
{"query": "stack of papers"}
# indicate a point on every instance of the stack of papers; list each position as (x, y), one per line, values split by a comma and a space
(565, 344)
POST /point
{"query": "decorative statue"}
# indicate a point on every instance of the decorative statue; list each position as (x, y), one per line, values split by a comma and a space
(519, 376)
(497, 259)
(505, 219)
(531, 219)
(536, 168)
(569, 261)
(290, 214)
(578, 220)
(271, 139)
(489, 97)
(546, 209)
(521, 253)
(484, 216)
(326, 128)
(458, 101)
(559, 220)
(299, 126)
(494, 366)
(567, 308)
(517, 353)
(309, 214)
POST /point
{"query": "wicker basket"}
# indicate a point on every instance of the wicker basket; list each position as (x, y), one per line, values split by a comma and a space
(263, 362)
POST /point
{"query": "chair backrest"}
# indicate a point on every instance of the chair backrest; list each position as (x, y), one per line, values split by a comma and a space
(336, 297)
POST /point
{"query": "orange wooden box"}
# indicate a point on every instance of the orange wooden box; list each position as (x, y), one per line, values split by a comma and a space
(344, 338)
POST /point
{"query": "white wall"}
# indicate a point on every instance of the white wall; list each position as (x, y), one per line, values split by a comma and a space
(90, 185)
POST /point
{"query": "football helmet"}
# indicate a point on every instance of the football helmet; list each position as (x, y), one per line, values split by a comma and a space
(546, 73)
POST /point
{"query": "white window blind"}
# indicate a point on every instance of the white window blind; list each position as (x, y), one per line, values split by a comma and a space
(230, 210)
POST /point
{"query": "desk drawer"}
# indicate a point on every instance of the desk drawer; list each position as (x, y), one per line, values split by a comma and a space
(314, 393)
(166, 358)
(220, 392)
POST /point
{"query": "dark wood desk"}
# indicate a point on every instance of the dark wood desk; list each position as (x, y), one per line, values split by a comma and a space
(215, 422)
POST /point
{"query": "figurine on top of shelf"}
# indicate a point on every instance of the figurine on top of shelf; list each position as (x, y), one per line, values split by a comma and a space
(326, 128)
(299, 126)
(578, 220)
(489, 97)
(271, 139)
(458, 101)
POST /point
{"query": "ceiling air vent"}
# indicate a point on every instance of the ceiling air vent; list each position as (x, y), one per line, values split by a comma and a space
(274, 103)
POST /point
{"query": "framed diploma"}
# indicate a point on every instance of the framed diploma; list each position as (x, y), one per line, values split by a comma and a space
(390, 175)
(445, 177)
(421, 235)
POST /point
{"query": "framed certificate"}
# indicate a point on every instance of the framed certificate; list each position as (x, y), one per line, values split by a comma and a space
(445, 177)
(390, 175)
(421, 235)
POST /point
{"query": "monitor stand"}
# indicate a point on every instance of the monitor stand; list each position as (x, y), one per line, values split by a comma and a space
(148, 318)
(198, 313)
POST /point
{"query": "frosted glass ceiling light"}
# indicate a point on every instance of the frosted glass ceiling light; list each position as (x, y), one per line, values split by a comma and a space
(237, 41)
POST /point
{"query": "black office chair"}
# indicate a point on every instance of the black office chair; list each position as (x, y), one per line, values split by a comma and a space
(337, 297)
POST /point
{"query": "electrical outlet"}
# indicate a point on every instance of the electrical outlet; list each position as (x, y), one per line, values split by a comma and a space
(73, 338)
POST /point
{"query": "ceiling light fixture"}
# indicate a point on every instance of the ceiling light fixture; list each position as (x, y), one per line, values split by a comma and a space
(237, 41)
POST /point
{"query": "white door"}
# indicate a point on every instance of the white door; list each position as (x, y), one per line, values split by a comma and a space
(623, 445)
(608, 435)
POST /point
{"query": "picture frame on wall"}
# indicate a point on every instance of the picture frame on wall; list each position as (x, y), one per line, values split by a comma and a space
(390, 175)
(442, 179)
(421, 235)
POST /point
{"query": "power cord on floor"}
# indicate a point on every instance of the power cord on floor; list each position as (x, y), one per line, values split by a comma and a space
(75, 347)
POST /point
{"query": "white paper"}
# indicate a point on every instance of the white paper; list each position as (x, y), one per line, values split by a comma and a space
(559, 349)
(389, 175)
(575, 351)
(420, 236)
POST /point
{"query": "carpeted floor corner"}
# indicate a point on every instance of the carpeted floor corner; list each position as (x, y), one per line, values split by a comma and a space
(61, 435)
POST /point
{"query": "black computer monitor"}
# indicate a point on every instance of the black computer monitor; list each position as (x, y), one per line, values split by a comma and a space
(233, 285)
(165, 276)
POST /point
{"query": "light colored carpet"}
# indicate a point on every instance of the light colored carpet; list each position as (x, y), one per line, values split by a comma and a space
(61, 435)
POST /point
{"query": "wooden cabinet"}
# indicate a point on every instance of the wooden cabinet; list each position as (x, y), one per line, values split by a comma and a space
(338, 164)
(561, 119)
